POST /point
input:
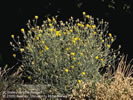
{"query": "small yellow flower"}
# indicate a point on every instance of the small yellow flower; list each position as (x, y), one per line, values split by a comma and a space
(50, 25)
(96, 57)
(37, 27)
(49, 20)
(66, 70)
(33, 28)
(32, 62)
(82, 25)
(102, 41)
(64, 33)
(110, 35)
(37, 38)
(36, 17)
(94, 33)
(83, 73)
(52, 30)
(67, 49)
(29, 77)
(103, 64)
(74, 41)
(40, 31)
(53, 19)
(21, 50)
(79, 81)
(72, 67)
(81, 54)
(71, 30)
(72, 53)
(42, 42)
(77, 38)
(78, 63)
(46, 47)
(87, 16)
(39, 35)
(101, 59)
(108, 45)
(12, 36)
(71, 17)
(93, 26)
(39, 69)
(79, 24)
(41, 51)
(112, 40)
(14, 55)
(29, 31)
(74, 58)
(87, 25)
(22, 29)
(58, 33)
(84, 13)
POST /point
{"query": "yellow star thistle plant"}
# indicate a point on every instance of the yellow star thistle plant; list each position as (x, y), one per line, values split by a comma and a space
(84, 46)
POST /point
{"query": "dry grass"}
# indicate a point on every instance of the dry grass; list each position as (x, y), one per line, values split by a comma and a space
(120, 88)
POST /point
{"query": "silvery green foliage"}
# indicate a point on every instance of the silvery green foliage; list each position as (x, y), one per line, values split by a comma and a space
(62, 54)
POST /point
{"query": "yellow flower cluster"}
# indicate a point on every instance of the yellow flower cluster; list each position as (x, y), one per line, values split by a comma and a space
(87, 25)
(80, 25)
(87, 16)
(52, 29)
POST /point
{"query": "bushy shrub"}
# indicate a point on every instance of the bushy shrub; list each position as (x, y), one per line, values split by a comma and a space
(61, 54)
